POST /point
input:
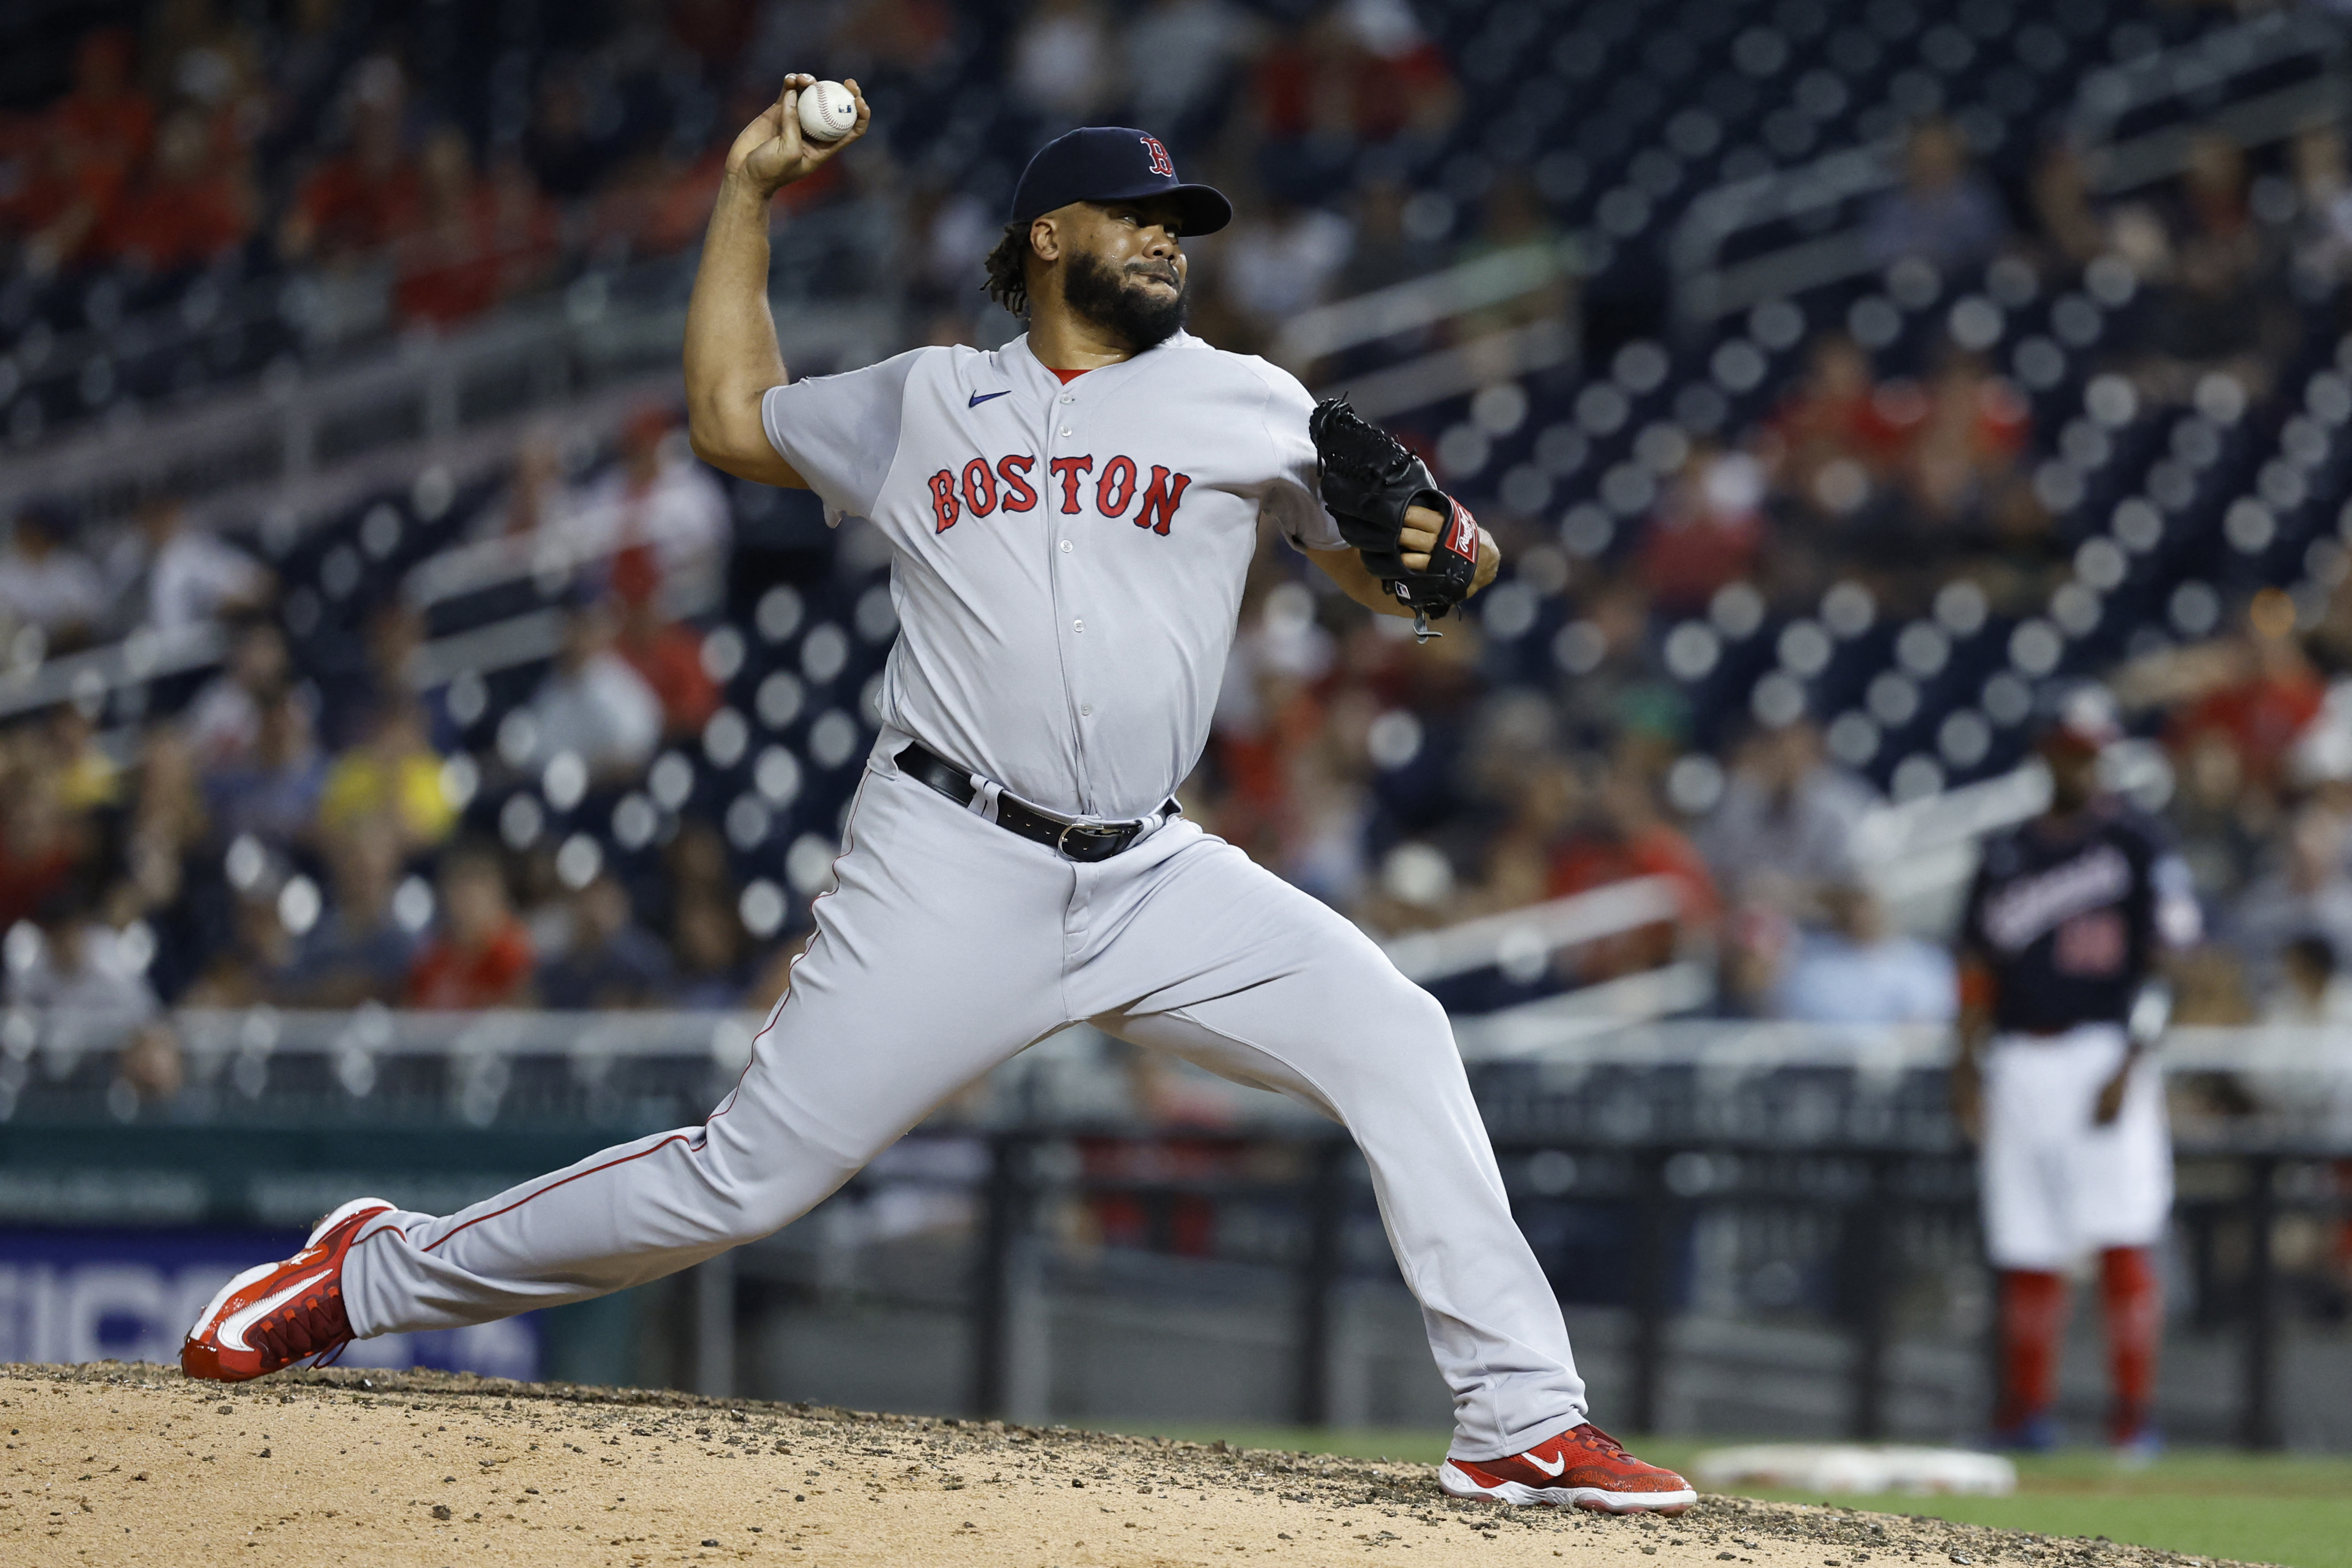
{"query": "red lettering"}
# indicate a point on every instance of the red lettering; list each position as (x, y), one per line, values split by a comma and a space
(943, 499)
(1117, 486)
(1160, 501)
(979, 487)
(1067, 469)
(1019, 496)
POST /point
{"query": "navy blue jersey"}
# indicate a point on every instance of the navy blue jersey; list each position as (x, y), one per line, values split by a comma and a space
(2070, 919)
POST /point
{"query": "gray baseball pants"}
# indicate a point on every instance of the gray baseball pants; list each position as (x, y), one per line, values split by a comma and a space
(947, 946)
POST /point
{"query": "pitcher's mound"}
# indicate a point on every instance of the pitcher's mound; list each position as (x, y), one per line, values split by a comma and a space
(134, 1464)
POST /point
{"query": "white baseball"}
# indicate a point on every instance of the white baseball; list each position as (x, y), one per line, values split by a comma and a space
(828, 111)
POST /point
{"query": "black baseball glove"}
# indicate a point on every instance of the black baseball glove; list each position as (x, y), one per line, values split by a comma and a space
(1369, 481)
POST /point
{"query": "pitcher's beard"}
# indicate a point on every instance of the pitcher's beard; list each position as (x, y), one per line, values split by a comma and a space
(1141, 320)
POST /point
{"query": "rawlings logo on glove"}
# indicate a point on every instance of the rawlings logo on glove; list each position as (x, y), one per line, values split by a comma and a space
(1370, 482)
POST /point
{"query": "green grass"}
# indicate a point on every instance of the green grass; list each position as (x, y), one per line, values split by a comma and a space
(2297, 1511)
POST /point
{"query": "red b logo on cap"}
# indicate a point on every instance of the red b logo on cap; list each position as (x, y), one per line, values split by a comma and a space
(1159, 162)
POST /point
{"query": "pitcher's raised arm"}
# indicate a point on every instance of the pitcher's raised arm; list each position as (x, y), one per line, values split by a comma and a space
(732, 357)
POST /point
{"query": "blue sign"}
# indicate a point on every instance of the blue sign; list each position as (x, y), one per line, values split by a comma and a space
(70, 1296)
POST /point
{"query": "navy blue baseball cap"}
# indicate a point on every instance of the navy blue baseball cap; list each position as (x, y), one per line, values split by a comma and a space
(1113, 163)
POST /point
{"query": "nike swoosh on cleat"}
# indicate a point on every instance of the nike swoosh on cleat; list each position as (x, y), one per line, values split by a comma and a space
(1552, 1469)
(979, 398)
(232, 1327)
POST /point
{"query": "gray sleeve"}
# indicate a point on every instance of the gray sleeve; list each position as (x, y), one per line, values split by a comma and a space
(841, 432)
(1294, 497)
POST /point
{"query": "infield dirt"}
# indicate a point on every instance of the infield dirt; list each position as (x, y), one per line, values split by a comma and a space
(134, 1464)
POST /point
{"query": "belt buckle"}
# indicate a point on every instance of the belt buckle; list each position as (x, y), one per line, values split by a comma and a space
(1061, 840)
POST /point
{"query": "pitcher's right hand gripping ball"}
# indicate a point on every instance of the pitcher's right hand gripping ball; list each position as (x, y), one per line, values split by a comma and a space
(1369, 480)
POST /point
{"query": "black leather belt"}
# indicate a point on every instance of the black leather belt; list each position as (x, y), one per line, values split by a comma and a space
(1083, 841)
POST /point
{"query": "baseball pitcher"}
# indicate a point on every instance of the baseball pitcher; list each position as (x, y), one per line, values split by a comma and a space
(1071, 517)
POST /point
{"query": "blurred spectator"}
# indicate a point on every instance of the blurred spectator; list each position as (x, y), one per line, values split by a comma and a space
(42, 843)
(361, 199)
(1515, 218)
(1177, 56)
(565, 156)
(358, 952)
(224, 720)
(194, 206)
(1281, 261)
(1707, 529)
(666, 654)
(89, 981)
(1944, 213)
(659, 497)
(2308, 893)
(2323, 230)
(592, 705)
(2312, 992)
(2072, 226)
(1958, 460)
(273, 792)
(1062, 60)
(105, 114)
(2207, 263)
(1784, 826)
(2265, 695)
(45, 582)
(480, 955)
(1619, 834)
(1382, 252)
(611, 961)
(710, 942)
(1861, 971)
(168, 574)
(475, 241)
(393, 777)
(87, 779)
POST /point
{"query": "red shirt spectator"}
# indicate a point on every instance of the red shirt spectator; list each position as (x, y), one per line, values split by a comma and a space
(669, 656)
(1630, 839)
(1707, 532)
(187, 211)
(104, 113)
(361, 200)
(481, 957)
(475, 241)
(2265, 710)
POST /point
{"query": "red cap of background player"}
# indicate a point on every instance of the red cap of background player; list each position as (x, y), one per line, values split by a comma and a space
(1113, 163)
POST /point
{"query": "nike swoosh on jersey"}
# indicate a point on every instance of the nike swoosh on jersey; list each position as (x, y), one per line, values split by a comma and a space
(232, 1330)
(979, 398)
(1552, 1469)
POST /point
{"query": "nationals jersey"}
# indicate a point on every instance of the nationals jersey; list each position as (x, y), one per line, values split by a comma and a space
(1068, 558)
(2070, 920)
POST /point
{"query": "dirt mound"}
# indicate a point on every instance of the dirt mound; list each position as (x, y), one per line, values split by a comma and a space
(134, 1464)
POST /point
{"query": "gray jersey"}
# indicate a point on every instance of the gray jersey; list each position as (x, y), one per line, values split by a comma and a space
(1068, 559)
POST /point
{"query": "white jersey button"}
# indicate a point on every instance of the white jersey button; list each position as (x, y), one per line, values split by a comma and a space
(1077, 625)
(1066, 430)
(1066, 547)
(1067, 398)
(1086, 710)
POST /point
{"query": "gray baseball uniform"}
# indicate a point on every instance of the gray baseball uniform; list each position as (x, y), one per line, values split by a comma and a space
(1068, 568)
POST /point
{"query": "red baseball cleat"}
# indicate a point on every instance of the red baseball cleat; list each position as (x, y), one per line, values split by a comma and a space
(279, 1313)
(1583, 1467)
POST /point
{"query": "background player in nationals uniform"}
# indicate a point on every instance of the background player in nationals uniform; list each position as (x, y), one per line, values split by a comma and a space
(1072, 517)
(2059, 999)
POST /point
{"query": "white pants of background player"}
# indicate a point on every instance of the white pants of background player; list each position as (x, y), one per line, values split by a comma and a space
(2056, 1185)
(947, 946)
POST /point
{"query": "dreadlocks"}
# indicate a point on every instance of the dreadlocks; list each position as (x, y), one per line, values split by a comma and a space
(1007, 284)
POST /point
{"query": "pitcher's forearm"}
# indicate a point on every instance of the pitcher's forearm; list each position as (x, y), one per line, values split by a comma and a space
(732, 357)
